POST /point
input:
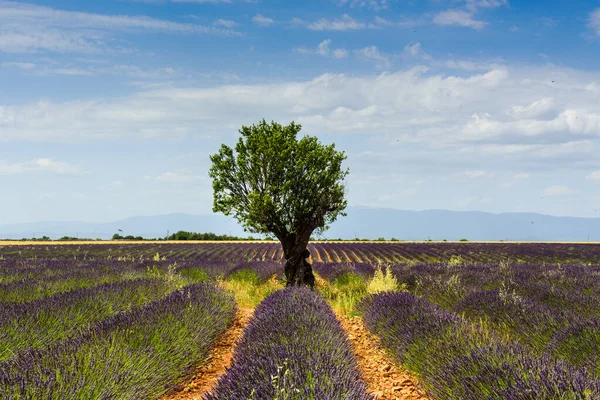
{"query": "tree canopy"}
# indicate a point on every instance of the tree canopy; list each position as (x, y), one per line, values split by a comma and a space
(274, 182)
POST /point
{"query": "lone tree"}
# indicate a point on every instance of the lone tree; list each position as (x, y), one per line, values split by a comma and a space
(275, 183)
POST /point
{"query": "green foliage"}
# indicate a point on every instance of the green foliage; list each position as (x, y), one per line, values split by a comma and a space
(183, 235)
(344, 292)
(247, 288)
(245, 275)
(383, 281)
(275, 183)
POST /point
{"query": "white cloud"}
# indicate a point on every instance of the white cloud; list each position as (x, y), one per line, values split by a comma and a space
(29, 28)
(71, 71)
(132, 71)
(415, 108)
(549, 22)
(577, 122)
(413, 49)
(376, 5)
(593, 176)
(477, 4)
(323, 47)
(261, 20)
(538, 108)
(457, 18)
(373, 53)
(324, 50)
(46, 165)
(346, 22)
(516, 178)
(382, 22)
(25, 66)
(339, 53)
(558, 190)
(594, 21)
(226, 23)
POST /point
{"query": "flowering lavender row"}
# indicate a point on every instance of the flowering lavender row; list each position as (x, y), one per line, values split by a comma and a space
(509, 372)
(579, 344)
(550, 309)
(293, 348)
(332, 271)
(263, 269)
(137, 354)
(40, 323)
(460, 360)
(561, 287)
(27, 280)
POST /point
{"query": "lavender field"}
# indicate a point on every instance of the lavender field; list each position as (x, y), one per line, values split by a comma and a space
(470, 320)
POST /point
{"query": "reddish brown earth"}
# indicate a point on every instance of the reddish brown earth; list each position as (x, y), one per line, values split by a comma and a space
(384, 380)
(206, 375)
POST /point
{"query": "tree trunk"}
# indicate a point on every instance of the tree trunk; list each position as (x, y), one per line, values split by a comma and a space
(297, 270)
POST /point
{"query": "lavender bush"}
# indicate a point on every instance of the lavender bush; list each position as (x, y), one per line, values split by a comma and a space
(461, 360)
(49, 320)
(137, 354)
(293, 348)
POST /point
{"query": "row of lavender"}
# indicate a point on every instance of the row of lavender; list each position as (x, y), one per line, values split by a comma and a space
(493, 330)
(65, 324)
(51, 300)
(29, 280)
(458, 359)
(322, 251)
(293, 348)
(136, 354)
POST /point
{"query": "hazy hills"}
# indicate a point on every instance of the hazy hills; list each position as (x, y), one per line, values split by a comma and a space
(361, 222)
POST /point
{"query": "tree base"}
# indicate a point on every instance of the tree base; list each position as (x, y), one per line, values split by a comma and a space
(299, 273)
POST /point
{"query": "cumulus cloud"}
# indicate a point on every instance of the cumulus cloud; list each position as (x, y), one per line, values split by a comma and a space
(477, 4)
(458, 18)
(324, 50)
(372, 53)
(519, 125)
(593, 176)
(413, 49)
(226, 23)
(346, 22)
(261, 20)
(375, 5)
(538, 108)
(44, 165)
(516, 178)
(559, 190)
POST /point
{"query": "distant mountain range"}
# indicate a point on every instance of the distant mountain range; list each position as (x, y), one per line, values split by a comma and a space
(361, 222)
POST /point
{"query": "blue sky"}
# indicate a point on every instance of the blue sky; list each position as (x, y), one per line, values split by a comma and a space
(111, 108)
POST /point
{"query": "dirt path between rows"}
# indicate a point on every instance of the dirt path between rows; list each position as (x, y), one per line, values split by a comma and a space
(206, 375)
(384, 380)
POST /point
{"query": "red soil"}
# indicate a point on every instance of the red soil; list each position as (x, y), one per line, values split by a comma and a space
(384, 379)
(206, 375)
